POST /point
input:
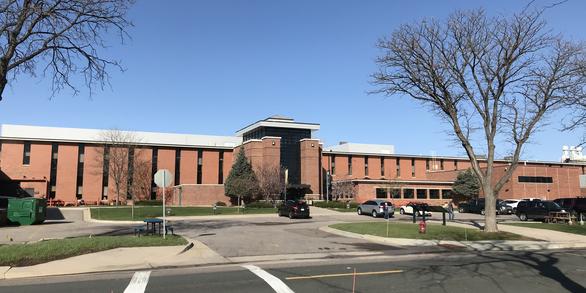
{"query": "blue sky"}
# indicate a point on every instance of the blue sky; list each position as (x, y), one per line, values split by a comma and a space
(211, 67)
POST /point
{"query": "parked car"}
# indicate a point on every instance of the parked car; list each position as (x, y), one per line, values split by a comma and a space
(574, 205)
(294, 209)
(419, 207)
(476, 206)
(512, 203)
(375, 208)
(536, 209)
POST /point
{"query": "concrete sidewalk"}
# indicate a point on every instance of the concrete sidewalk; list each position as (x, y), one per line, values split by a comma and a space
(549, 239)
(134, 258)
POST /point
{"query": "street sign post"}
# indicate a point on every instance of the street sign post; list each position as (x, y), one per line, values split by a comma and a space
(163, 179)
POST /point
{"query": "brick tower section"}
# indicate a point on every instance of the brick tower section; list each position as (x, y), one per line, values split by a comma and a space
(262, 152)
(310, 168)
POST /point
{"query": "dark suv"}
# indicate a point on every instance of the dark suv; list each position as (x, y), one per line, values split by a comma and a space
(477, 206)
(536, 209)
(294, 209)
(575, 205)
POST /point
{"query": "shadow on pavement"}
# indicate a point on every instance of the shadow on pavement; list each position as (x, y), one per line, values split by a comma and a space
(54, 214)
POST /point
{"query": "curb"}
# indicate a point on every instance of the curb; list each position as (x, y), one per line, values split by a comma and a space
(484, 245)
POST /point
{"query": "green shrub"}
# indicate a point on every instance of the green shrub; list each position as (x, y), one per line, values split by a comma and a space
(221, 204)
(334, 204)
(259, 205)
(149, 203)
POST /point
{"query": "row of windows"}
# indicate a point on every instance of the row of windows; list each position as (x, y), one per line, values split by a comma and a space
(412, 193)
(382, 165)
(535, 179)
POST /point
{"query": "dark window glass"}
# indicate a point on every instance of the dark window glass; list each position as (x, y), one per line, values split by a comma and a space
(426, 164)
(382, 167)
(26, 154)
(441, 164)
(421, 193)
(398, 166)
(446, 194)
(535, 179)
(408, 193)
(105, 172)
(177, 166)
(396, 193)
(381, 193)
(412, 167)
(434, 194)
(199, 165)
(130, 181)
(221, 168)
(154, 168)
(349, 165)
(333, 165)
(53, 172)
(366, 166)
(455, 165)
(80, 165)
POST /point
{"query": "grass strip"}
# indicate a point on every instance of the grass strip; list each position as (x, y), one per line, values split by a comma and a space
(574, 229)
(434, 232)
(143, 212)
(48, 250)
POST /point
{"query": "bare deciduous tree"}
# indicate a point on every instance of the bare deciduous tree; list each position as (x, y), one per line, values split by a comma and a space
(125, 165)
(343, 190)
(502, 75)
(271, 181)
(60, 36)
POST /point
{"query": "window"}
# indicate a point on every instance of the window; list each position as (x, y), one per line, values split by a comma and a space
(535, 179)
(154, 167)
(395, 193)
(421, 193)
(441, 164)
(53, 170)
(106, 171)
(199, 165)
(221, 168)
(80, 166)
(427, 164)
(382, 167)
(177, 166)
(130, 179)
(349, 165)
(366, 166)
(434, 194)
(408, 193)
(333, 165)
(412, 167)
(446, 194)
(455, 165)
(381, 193)
(26, 154)
(398, 166)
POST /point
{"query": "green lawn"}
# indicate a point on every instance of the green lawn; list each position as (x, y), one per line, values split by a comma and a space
(142, 212)
(48, 250)
(434, 232)
(575, 229)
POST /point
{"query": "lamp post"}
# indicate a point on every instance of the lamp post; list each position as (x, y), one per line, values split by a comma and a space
(286, 182)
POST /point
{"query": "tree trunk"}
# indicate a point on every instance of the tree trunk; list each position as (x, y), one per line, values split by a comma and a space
(489, 208)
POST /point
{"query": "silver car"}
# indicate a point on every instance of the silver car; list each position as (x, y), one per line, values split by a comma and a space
(375, 208)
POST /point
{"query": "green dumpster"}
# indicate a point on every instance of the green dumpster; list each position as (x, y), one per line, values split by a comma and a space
(27, 211)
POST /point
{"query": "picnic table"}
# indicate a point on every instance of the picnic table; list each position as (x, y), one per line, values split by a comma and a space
(153, 223)
(554, 217)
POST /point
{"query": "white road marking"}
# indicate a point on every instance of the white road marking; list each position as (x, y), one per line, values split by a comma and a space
(138, 283)
(273, 281)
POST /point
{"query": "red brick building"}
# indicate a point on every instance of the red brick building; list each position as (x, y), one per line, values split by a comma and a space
(67, 164)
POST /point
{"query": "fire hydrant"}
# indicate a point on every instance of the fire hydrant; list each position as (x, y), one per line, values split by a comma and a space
(422, 227)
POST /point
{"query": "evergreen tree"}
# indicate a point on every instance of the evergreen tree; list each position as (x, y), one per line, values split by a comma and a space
(466, 186)
(241, 181)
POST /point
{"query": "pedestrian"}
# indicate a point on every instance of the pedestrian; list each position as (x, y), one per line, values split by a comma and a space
(386, 210)
(451, 210)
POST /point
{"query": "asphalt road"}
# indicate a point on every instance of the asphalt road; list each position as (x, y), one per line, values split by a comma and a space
(562, 271)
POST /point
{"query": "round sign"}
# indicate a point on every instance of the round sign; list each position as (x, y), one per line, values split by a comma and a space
(163, 178)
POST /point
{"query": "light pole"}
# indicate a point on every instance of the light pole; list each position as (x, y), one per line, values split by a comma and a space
(286, 182)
